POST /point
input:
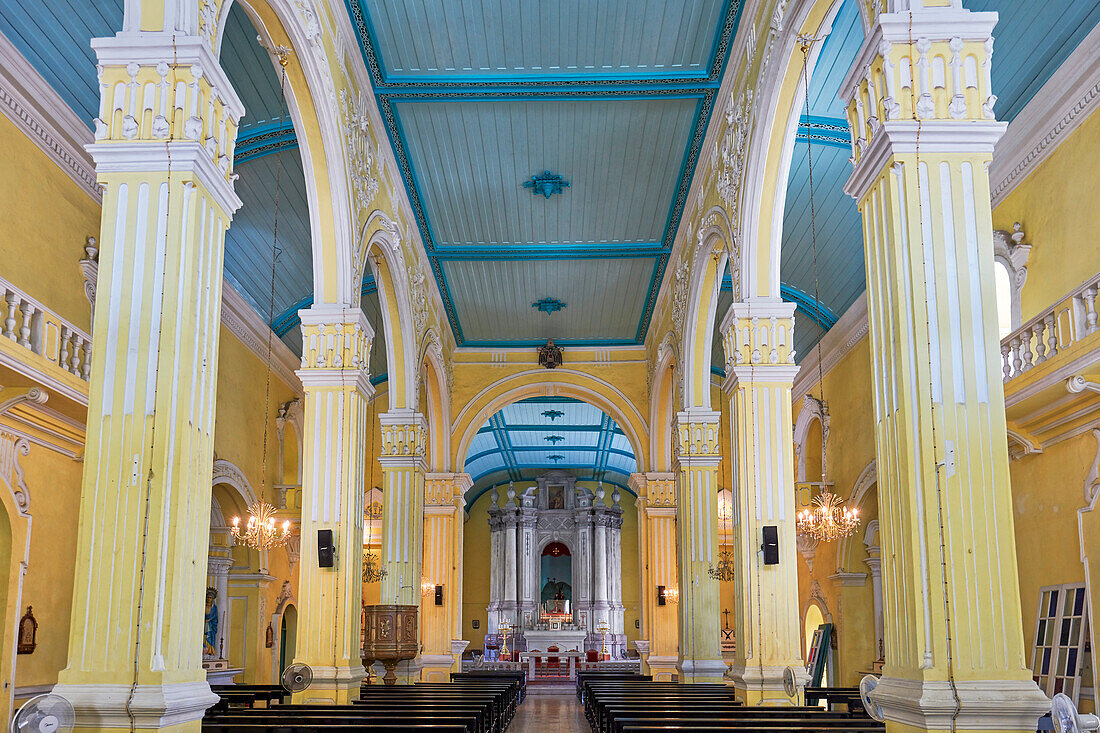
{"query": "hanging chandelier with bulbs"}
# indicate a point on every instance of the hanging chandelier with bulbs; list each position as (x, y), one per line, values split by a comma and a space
(723, 571)
(372, 568)
(828, 519)
(261, 532)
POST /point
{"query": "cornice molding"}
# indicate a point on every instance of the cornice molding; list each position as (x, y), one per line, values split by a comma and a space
(1056, 110)
(39, 112)
(850, 329)
(250, 328)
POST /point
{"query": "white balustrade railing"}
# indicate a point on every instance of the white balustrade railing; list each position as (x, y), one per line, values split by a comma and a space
(1054, 330)
(35, 327)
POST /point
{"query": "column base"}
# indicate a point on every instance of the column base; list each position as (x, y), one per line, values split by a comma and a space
(700, 670)
(756, 685)
(663, 669)
(332, 685)
(162, 707)
(983, 705)
(436, 667)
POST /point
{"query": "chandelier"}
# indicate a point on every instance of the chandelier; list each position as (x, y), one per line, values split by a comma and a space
(828, 519)
(260, 532)
(723, 572)
(372, 568)
(672, 595)
(427, 587)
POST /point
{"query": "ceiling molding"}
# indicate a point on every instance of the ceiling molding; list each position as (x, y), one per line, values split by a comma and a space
(32, 104)
(243, 322)
(837, 343)
(1056, 110)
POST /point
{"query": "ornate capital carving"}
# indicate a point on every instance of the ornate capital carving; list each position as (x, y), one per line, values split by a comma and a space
(404, 436)
(334, 339)
(697, 435)
(446, 489)
(759, 333)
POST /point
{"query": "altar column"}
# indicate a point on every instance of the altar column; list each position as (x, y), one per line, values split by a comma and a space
(698, 455)
(163, 152)
(336, 343)
(444, 500)
(922, 144)
(600, 568)
(758, 338)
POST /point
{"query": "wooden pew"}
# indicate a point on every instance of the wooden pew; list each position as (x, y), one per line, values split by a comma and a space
(835, 696)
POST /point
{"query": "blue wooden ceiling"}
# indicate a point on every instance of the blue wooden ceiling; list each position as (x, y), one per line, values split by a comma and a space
(535, 435)
(614, 96)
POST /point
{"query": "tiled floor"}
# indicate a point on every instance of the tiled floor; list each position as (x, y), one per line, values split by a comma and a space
(552, 713)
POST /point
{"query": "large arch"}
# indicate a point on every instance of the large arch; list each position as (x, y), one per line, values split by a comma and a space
(312, 105)
(778, 103)
(438, 400)
(540, 382)
(379, 247)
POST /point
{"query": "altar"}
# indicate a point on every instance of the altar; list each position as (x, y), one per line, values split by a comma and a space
(564, 640)
(556, 567)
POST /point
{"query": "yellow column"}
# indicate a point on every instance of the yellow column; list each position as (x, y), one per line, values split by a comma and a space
(336, 345)
(921, 111)
(696, 464)
(163, 152)
(760, 369)
(657, 559)
(444, 502)
(404, 447)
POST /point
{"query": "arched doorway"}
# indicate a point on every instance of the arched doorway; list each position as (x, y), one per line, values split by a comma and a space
(288, 636)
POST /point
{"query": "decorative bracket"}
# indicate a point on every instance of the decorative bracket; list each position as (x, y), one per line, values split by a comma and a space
(549, 305)
(546, 183)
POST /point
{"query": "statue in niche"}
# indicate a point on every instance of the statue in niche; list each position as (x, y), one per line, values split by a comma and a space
(210, 623)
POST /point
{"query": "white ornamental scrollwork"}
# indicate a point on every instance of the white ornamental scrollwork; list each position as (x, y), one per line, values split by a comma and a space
(730, 151)
(362, 159)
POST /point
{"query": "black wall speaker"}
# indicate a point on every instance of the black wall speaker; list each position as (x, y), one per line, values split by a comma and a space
(771, 545)
(326, 550)
(660, 595)
(439, 595)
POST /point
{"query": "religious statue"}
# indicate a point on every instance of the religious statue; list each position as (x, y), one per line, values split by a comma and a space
(210, 626)
(556, 590)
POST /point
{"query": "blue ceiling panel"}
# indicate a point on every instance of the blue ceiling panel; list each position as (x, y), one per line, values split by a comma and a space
(55, 37)
(535, 435)
(836, 57)
(1030, 42)
(493, 299)
(426, 39)
(622, 159)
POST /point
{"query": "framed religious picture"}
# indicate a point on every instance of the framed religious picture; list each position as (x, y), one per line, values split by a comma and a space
(637, 624)
(476, 623)
(555, 625)
(28, 631)
(556, 499)
(584, 620)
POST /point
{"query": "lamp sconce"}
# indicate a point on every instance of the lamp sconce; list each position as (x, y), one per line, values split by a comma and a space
(667, 595)
(426, 587)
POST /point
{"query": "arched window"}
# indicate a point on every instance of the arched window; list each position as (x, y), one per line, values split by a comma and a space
(1010, 256)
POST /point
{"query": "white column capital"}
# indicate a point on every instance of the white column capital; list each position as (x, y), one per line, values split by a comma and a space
(759, 333)
(404, 439)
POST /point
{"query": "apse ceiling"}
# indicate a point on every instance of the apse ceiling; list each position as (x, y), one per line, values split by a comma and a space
(608, 100)
(532, 436)
(612, 96)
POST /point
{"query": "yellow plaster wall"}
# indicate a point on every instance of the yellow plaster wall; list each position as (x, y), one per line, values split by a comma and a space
(1056, 206)
(47, 218)
(850, 448)
(54, 483)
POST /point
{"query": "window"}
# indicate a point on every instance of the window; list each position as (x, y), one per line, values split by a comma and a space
(1060, 639)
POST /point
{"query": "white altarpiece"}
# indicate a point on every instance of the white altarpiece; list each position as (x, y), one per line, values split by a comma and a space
(556, 511)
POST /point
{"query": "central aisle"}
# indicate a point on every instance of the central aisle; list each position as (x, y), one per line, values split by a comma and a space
(559, 713)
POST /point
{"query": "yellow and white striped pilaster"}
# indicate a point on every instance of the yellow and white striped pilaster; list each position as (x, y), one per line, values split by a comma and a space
(404, 447)
(698, 455)
(444, 502)
(758, 338)
(336, 343)
(163, 155)
(923, 130)
(658, 562)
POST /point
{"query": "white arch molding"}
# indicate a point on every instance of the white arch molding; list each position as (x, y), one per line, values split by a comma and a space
(227, 473)
(812, 409)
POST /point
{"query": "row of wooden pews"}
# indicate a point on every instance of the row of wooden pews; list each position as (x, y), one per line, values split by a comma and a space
(482, 705)
(641, 706)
